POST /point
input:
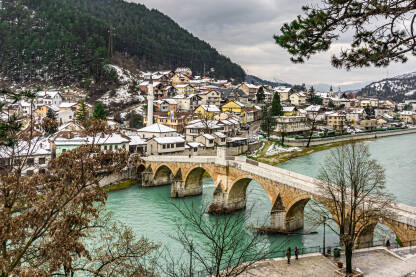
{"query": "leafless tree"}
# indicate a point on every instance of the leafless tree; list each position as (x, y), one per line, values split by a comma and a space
(222, 245)
(49, 220)
(352, 185)
(311, 121)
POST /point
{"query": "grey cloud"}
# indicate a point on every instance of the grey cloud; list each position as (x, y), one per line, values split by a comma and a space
(243, 30)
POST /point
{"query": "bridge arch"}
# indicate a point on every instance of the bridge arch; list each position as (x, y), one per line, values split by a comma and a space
(238, 190)
(366, 237)
(195, 175)
(163, 175)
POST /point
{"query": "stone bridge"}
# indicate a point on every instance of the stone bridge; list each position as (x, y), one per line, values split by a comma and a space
(288, 191)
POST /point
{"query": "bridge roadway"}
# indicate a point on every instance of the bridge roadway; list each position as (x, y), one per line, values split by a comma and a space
(288, 191)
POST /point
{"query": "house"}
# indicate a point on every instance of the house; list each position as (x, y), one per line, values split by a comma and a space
(315, 112)
(184, 70)
(199, 127)
(368, 124)
(210, 97)
(290, 111)
(156, 130)
(234, 107)
(250, 90)
(354, 115)
(337, 121)
(291, 125)
(297, 98)
(229, 94)
(137, 145)
(51, 98)
(220, 139)
(42, 111)
(36, 153)
(105, 142)
(206, 139)
(174, 120)
(284, 93)
(207, 111)
(165, 145)
(408, 117)
(180, 79)
(184, 89)
(65, 116)
(186, 102)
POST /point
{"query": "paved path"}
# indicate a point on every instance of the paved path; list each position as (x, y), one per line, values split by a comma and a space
(375, 262)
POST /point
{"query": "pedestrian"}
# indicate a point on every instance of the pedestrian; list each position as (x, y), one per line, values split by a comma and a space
(288, 255)
(296, 252)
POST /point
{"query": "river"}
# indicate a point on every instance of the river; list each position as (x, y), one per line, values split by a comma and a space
(149, 212)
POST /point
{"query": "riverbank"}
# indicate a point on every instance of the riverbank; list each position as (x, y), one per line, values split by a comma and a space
(121, 185)
(286, 156)
(295, 142)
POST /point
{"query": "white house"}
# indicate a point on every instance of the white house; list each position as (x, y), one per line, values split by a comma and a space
(165, 145)
(156, 130)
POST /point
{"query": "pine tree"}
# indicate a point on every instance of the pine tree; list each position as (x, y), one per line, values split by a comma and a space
(277, 109)
(50, 114)
(260, 95)
(100, 112)
(82, 112)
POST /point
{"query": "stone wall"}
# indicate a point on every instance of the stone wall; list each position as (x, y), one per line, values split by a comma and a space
(372, 135)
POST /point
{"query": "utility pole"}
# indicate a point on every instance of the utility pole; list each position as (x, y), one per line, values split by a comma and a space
(110, 41)
(191, 248)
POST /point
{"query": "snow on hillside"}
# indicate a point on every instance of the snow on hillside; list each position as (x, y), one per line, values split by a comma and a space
(396, 88)
(123, 94)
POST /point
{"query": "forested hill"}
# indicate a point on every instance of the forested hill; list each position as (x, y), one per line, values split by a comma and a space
(68, 40)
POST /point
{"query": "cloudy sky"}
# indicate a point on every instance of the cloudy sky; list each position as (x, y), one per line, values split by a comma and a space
(243, 30)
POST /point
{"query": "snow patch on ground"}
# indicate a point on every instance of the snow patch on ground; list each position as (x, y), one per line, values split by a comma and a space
(275, 149)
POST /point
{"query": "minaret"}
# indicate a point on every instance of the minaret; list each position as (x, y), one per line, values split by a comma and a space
(150, 99)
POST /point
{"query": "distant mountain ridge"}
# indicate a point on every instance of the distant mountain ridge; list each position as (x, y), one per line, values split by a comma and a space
(397, 88)
(70, 40)
(256, 80)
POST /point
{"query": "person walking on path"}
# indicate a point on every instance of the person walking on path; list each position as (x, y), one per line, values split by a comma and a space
(288, 255)
(296, 252)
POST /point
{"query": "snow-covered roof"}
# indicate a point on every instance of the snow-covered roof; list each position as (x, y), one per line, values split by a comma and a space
(171, 101)
(288, 109)
(156, 128)
(23, 148)
(313, 108)
(99, 140)
(208, 136)
(67, 105)
(136, 140)
(211, 108)
(236, 139)
(220, 135)
(166, 140)
(195, 144)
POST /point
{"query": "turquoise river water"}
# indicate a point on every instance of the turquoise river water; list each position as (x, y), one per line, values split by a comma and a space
(149, 212)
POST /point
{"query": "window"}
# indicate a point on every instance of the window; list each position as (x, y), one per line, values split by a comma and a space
(42, 160)
(42, 171)
(105, 147)
(196, 149)
(182, 144)
(29, 172)
(30, 161)
(172, 146)
(164, 146)
(211, 141)
(63, 150)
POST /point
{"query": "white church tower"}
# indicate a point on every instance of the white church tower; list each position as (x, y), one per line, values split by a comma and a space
(150, 98)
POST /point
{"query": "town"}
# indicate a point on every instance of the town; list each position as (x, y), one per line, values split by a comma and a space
(186, 115)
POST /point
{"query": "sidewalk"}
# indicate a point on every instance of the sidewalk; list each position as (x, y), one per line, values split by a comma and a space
(374, 262)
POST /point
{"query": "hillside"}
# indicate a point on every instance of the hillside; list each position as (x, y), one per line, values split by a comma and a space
(68, 40)
(396, 88)
(256, 80)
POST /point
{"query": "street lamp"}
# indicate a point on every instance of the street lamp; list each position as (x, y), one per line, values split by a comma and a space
(324, 220)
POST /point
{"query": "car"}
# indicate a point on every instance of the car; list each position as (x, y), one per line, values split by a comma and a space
(245, 127)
